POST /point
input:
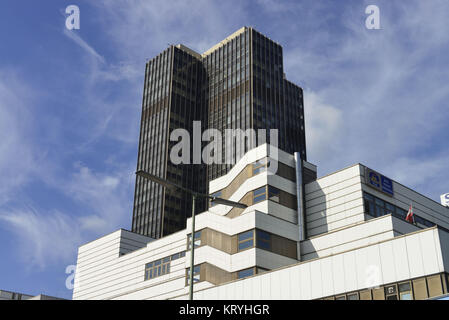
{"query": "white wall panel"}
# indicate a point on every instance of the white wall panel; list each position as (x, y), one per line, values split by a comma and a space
(414, 252)
(276, 284)
(339, 280)
(349, 262)
(315, 277)
(256, 288)
(295, 282)
(429, 253)
(327, 275)
(305, 281)
(401, 259)
(284, 281)
(388, 265)
(265, 284)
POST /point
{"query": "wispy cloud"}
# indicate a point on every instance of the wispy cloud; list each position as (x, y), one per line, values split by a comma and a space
(106, 195)
(17, 152)
(387, 86)
(71, 34)
(101, 199)
(48, 237)
(141, 29)
(43, 238)
(324, 123)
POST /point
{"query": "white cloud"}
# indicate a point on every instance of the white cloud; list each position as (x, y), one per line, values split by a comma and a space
(43, 239)
(142, 29)
(46, 237)
(51, 237)
(369, 90)
(421, 172)
(106, 195)
(273, 6)
(71, 34)
(17, 153)
(389, 86)
(324, 124)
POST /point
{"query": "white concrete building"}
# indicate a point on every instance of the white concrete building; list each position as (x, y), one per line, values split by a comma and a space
(346, 238)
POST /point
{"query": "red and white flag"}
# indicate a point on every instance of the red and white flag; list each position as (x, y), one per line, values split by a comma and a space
(409, 216)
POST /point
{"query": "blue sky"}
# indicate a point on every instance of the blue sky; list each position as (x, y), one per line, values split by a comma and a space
(70, 106)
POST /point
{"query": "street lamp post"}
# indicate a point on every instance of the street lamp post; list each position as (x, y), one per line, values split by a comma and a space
(195, 195)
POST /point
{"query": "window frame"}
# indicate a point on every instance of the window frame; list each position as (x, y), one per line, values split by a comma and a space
(197, 240)
(196, 272)
(259, 166)
(251, 270)
(249, 240)
(260, 194)
(380, 208)
(260, 240)
(160, 267)
(274, 192)
(405, 292)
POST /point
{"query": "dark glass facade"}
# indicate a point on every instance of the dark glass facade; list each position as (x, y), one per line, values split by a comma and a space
(171, 100)
(248, 90)
(238, 84)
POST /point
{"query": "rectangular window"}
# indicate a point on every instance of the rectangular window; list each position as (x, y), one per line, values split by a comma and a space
(405, 291)
(259, 166)
(380, 211)
(389, 208)
(259, 191)
(246, 240)
(260, 194)
(178, 255)
(196, 274)
(353, 296)
(245, 273)
(161, 266)
(401, 213)
(379, 202)
(263, 240)
(197, 240)
(273, 194)
(377, 208)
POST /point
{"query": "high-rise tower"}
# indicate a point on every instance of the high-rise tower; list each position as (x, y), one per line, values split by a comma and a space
(171, 100)
(248, 90)
(237, 84)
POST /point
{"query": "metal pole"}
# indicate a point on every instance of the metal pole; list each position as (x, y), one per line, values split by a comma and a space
(192, 247)
(300, 202)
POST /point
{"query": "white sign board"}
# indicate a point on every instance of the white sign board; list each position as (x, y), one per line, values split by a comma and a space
(445, 199)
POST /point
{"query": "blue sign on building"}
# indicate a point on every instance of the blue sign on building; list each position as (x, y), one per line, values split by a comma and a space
(374, 179)
(380, 182)
(387, 185)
